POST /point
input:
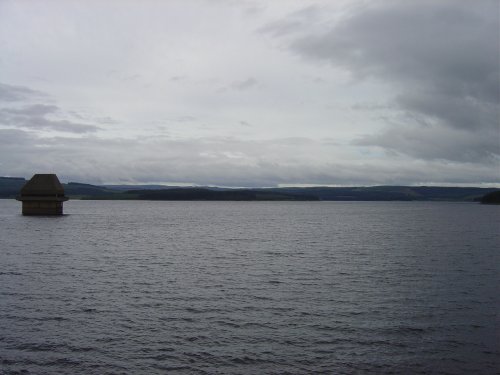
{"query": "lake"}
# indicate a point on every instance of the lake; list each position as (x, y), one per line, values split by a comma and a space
(117, 287)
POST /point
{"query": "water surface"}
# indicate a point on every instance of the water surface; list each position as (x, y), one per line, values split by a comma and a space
(250, 287)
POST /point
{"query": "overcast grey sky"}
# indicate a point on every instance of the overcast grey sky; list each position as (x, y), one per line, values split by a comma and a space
(251, 93)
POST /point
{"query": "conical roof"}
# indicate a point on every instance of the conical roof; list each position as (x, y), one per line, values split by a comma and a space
(42, 185)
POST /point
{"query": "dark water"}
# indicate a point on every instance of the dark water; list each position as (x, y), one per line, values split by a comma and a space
(250, 288)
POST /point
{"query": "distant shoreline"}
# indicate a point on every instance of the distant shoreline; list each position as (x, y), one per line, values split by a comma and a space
(9, 188)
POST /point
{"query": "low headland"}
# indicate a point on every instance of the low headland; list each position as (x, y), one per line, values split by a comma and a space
(491, 198)
(10, 186)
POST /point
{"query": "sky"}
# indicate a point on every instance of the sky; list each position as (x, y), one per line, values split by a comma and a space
(251, 93)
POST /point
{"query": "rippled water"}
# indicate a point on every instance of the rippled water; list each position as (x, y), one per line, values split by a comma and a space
(250, 288)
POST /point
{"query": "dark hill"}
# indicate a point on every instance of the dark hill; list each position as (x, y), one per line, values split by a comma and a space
(393, 193)
(78, 190)
(10, 187)
(217, 195)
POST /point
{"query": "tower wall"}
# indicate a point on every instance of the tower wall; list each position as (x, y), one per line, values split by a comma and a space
(42, 208)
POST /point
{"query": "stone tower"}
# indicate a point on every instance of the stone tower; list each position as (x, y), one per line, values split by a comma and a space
(42, 195)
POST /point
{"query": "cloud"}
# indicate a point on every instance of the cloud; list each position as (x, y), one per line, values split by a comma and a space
(297, 21)
(218, 161)
(10, 93)
(424, 74)
(245, 84)
(31, 110)
(17, 114)
(241, 85)
(34, 117)
(434, 142)
(441, 59)
(177, 78)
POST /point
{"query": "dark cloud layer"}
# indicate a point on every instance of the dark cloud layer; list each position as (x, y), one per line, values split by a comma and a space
(440, 57)
(10, 93)
(34, 116)
(435, 142)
